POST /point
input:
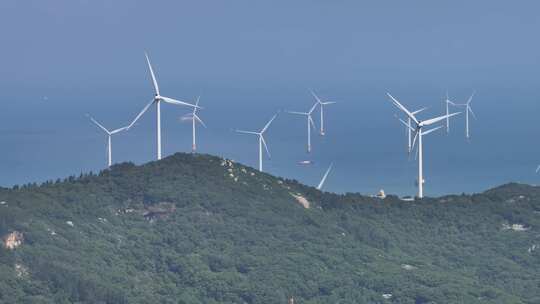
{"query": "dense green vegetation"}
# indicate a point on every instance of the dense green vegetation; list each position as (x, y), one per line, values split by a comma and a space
(196, 229)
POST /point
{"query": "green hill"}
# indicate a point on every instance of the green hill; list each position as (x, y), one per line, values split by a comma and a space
(198, 229)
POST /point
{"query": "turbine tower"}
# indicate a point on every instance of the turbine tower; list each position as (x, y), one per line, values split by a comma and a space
(261, 141)
(419, 133)
(468, 110)
(448, 102)
(157, 99)
(310, 124)
(194, 119)
(109, 135)
(322, 104)
(321, 184)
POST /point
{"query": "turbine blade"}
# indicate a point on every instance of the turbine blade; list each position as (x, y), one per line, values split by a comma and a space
(415, 137)
(99, 125)
(118, 130)
(437, 119)
(431, 130)
(313, 108)
(406, 125)
(311, 122)
(321, 184)
(471, 111)
(402, 108)
(268, 123)
(471, 97)
(177, 102)
(199, 120)
(154, 81)
(315, 95)
(265, 146)
(297, 113)
(328, 102)
(140, 114)
(538, 169)
(247, 132)
(186, 117)
(196, 105)
(418, 111)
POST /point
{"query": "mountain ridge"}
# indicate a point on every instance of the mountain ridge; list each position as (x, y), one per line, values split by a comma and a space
(200, 229)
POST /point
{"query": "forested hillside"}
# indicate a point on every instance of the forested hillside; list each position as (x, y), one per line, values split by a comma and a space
(199, 229)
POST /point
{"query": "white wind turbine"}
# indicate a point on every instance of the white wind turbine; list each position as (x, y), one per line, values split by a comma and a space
(109, 135)
(409, 132)
(157, 99)
(322, 104)
(468, 110)
(194, 119)
(261, 140)
(448, 102)
(419, 133)
(310, 123)
(321, 184)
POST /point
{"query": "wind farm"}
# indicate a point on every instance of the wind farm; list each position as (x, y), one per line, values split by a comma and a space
(269, 152)
(415, 128)
(343, 118)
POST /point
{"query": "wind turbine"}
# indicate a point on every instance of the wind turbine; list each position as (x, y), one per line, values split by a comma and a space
(194, 119)
(448, 102)
(109, 135)
(310, 123)
(157, 99)
(261, 140)
(419, 133)
(321, 184)
(322, 104)
(468, 109)
(409, 132)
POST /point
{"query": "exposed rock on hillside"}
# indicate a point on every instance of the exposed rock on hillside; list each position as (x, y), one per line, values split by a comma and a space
(13, 240)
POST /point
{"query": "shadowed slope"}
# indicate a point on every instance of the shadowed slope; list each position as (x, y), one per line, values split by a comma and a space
(199, 229)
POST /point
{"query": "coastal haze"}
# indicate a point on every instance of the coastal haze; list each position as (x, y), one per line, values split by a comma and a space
(64, 59)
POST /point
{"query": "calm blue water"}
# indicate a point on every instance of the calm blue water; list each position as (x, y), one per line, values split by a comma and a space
(45, 138)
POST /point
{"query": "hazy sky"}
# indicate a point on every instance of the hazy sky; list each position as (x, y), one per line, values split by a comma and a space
(98, 44)
(61, 59)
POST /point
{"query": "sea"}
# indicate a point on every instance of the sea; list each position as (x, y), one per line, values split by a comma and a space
(45, 135)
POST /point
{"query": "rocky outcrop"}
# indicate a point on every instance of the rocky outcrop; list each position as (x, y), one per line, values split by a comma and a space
(13, 240)
(301, 200)
(158, 211)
